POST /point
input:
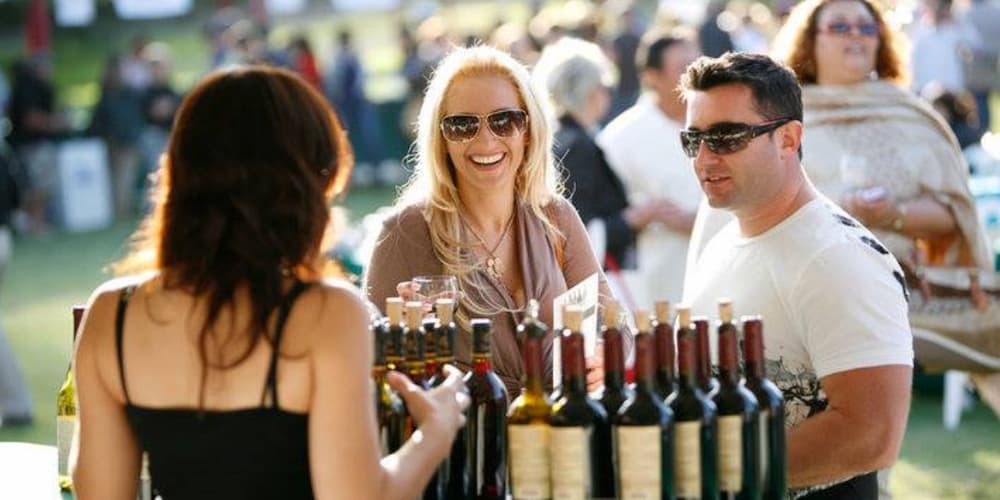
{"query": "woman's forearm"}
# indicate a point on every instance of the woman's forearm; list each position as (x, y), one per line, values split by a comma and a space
(923, 217)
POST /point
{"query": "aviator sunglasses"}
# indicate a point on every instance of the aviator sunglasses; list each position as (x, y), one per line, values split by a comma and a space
(726, 138)
(503, 124)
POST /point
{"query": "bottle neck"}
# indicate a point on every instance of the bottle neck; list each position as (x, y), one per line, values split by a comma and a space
(664, 353)
(687, 358)
(645, 362)
(703, 367)
(729, 368)
(431, 368)
(574, 378)
(481, 363)
(531, 349)
(614, 360)
(753, 350)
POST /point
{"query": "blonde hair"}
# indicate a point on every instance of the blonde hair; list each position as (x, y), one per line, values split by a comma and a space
(433, 181)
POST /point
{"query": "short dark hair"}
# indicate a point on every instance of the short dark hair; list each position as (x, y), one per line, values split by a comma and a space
(776, 92)
(651, 49)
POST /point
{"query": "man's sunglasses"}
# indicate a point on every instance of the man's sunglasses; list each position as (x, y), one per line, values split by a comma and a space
(842, 28)
(504, 123)
(726, 138)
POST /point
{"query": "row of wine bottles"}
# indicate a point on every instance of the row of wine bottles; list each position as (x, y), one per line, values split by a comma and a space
(677, 432)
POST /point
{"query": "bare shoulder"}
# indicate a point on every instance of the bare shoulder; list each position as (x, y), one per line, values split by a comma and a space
(103, 302)
(330, 312)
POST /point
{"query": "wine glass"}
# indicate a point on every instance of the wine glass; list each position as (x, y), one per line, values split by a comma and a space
(854, 171)
(428, 289)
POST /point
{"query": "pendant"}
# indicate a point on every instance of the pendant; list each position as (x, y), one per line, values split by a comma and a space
(494, 267)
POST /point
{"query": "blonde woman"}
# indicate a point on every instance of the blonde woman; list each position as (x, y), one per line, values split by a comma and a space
(485, 205)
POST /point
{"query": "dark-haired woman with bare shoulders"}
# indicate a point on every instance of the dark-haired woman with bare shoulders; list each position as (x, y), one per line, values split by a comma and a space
(227, 358)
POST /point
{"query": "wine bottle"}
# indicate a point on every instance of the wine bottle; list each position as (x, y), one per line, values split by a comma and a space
(388, 405)
(416, 366)
(663, 332)
(486, 422)
(737, 422)
(528, 418)
(444, 340)
(773, 460)
(615, 392)
(703, 368)
(66, 413)
(580, 437)
(428, 331)
(643, 428)
(694, 421)
(395, 353)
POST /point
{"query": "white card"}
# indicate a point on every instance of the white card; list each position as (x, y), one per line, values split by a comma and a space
(585, 294)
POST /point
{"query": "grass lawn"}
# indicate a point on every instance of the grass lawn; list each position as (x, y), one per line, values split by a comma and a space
(49, 275)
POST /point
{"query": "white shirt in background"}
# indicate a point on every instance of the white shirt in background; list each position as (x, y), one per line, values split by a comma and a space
(642, 145)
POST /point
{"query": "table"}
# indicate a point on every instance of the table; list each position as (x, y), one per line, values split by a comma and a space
(28, 470)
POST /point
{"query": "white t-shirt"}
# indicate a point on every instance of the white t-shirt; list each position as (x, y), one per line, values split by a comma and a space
(831, 297)
(643, 147)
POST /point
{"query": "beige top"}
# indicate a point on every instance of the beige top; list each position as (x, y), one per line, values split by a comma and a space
(404, 250)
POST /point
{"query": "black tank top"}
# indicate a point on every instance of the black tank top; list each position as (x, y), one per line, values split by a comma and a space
(253, 453)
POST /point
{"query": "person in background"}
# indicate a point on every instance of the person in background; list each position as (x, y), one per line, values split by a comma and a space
(809, 269)
(578, 77)
(982, 64)
(713, 39)
(159, 105)
(34, 125)
(269, 364)
(655, 170)
(118, 119)
(303, 61)
(938, 44)
(624, 47)
(15, 397)
(958, 109)
(485, 205)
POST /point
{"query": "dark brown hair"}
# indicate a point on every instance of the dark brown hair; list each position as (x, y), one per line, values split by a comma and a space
(776, 92)
(242, 198)
(796, 43)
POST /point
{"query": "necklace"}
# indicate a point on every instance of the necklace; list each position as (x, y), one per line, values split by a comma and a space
(494, 266)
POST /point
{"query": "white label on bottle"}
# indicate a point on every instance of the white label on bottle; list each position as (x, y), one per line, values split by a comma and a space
(639, 465)
(65, 428)
(529, 461)
(731, 453)
(687, 459)
(570, 453)
(763, 421)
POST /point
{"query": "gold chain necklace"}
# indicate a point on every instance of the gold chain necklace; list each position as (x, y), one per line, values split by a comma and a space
(494, 266)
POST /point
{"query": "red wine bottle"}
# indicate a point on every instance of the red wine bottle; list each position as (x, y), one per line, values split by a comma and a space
(486, 422)
(615, 391)
(416, 365)
(643, 429)
(444, 341)
(703, 370)
(528, 417)
(773, 458)
(580, 437)
(737, 423)
(694, 421)
(428, 331)
(663, 332)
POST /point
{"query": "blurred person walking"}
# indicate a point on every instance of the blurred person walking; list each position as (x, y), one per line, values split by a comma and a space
(15, 397)
(118, 119)
(654, 170)
(184, 359)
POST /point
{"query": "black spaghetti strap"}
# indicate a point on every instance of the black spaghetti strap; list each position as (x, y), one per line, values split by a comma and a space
(123, 298)
(279, 328)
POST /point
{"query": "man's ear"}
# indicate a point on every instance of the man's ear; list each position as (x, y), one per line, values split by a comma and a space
(791, 137)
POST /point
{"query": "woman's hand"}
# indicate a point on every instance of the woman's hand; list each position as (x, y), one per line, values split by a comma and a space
(405, 291)
(595, 369)
(439, 412)
(873, 206)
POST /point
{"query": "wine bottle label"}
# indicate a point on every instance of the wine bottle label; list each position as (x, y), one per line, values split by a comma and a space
(639, 461)
(731, 453)
(570, 467)
(529, 461)
(763, 420)
(687, 459)
(65, 428)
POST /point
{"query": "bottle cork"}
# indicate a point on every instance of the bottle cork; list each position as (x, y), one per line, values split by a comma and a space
(642, 320)
(684, 316)
(662, 311)
(573, 317)
(725, 310)
(445, 310)
(611, 311)
(394, 310)
(414, 314)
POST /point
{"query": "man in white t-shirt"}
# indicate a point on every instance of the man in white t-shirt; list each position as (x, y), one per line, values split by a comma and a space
(837, 339)
(640, 147)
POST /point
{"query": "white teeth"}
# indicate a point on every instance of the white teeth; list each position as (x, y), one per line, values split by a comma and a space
(485, 160)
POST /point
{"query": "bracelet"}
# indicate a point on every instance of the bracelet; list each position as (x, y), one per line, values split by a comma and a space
(897, 223)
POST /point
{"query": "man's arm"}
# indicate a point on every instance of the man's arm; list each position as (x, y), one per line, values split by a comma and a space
(860, 431)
